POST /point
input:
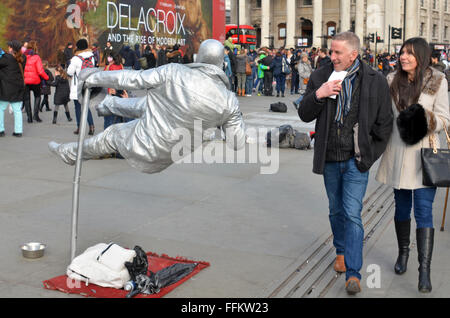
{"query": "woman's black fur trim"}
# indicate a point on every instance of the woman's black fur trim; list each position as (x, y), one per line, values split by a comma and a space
(412, 124)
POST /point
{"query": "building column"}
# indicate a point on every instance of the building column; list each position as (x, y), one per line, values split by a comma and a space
(265, 22)
(233, 12)
(244, 16)
(290, 23)
(412, 21)
(392, 18)
(317, 23)
(344, 14)
(359, 20)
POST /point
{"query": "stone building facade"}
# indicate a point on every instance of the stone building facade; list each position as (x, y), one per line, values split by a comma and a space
(292, 23)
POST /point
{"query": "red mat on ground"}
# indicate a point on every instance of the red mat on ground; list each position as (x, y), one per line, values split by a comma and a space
(155, 263)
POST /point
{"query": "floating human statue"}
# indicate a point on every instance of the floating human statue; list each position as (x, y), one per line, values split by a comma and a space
(177, 96)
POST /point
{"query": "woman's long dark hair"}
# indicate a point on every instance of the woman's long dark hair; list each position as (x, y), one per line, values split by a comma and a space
(116, 57)
(17, 53)
(403, 91)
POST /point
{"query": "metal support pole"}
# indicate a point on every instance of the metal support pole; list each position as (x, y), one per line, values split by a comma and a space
(77, 175)
(445, 209)
(238, 23)
(376, 43)
(389, 40)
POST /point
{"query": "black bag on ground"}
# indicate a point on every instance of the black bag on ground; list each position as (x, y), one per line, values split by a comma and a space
(288, 137)
(139, 265)
(302, 141)
(278, 107)
(284, 134)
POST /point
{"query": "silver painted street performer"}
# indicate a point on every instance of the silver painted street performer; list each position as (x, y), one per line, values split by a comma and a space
(177, 95)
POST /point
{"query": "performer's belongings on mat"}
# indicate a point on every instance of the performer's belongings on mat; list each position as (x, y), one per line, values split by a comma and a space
(109, 265)
(289, 137)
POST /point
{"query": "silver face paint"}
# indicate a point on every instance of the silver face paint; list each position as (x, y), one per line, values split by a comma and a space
(177, 95)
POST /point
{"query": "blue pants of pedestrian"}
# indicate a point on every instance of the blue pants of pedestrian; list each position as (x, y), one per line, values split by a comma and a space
(78, 114)
(281, 83)
(249, 85)
(346, 186)
(423, 206)
(16, 107)
(254, 76)
(295, 82)
(259, 81)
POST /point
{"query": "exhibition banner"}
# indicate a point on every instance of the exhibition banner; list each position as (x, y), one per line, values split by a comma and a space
(54, 23)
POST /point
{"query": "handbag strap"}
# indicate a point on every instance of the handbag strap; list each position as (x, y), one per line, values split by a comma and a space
(446, 132)
(432, 137)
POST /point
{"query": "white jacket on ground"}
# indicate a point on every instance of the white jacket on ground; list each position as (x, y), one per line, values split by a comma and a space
(102, 265)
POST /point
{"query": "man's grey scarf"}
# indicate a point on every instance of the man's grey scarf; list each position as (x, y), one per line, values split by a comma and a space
(345, 95)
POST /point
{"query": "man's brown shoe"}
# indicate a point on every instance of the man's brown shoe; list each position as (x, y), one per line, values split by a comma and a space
(339, 264)
(353, 286)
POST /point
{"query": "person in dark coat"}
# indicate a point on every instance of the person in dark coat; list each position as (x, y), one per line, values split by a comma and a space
(295, 77)
(354, 122)
(130, 58)
(436, 62)
(62, 93)
(96, 52)
(323, 59)
(162, 56)
(175, 55)
(386, 66)
(137, 50)
(12, 85)
(45, 87)
(268, 75)
(68, 53)
(148, 54)
(233, 64)
(276, 67)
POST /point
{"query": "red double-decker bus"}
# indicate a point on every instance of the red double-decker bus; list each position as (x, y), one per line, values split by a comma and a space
(247, 34)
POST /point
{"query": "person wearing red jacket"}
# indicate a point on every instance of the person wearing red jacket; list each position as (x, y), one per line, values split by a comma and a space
(114, 61)
(33, 73)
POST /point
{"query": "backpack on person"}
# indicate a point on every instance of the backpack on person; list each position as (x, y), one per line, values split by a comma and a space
(86, 63)
(285, 69)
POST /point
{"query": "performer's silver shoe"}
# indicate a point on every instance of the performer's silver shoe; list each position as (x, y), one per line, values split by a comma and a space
(56, 149)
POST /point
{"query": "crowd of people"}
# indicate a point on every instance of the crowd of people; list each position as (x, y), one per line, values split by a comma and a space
(254, 71)
(24, 73)
(249, 70)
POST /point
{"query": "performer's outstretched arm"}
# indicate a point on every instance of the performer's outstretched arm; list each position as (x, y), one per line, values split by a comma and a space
(124, 107)
(127, 79)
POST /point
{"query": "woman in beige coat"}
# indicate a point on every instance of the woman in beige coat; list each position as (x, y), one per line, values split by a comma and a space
(421, 108)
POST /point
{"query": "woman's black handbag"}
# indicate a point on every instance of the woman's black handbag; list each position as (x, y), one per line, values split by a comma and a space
(436, 163)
